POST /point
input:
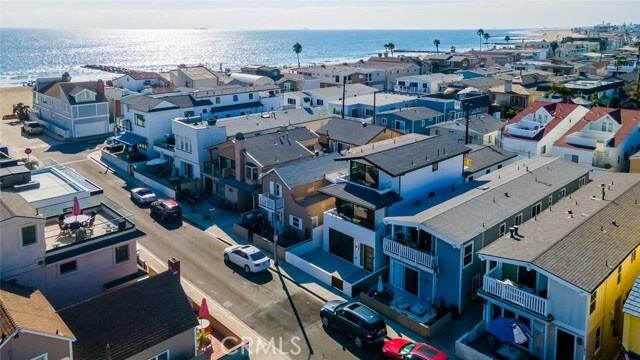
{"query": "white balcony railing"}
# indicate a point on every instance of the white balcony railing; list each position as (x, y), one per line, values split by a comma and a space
(409, 255)
(517, 296)
(270, 202)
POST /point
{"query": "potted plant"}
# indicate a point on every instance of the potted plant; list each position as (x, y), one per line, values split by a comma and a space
(202, 336)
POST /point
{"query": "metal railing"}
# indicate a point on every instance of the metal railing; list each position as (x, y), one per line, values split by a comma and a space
(514, 295)
(411, 255)
(57, 240)
(270, 202)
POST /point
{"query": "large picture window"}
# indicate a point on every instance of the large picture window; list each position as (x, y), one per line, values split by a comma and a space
(356, 213)
(364, 174)
(29, 235)
(122, 253)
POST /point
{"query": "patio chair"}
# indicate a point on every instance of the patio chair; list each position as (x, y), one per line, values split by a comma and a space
(61, 218)
(64, 228)
(75, 226)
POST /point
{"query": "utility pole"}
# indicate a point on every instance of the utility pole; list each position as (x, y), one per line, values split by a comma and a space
(374, 107)
(344, 92)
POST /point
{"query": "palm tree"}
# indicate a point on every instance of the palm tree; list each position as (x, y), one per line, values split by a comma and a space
(596, 99)
(633, 94)
(390, 46)
(554, 47)
(436, 42)
(486, 39)
(620, 61)
(297, 48)
(453, 49)
(507, 39)
(560, 89)
(480, 34)
(637, 44)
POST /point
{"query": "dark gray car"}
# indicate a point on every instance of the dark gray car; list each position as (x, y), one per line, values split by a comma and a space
(364, 325)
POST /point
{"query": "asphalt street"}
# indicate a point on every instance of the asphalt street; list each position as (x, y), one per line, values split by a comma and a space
(270, 304)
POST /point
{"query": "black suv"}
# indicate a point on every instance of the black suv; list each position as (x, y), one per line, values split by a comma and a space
(364, 325)
(167, 209)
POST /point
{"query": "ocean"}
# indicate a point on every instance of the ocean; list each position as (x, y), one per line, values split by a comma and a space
(27, 54)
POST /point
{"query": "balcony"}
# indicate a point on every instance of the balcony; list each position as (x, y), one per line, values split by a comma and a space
(513, 293)
(357, 221)
(163, 145)
(589, 138)
(211, 168)
(270, 202)
(381, 189)
(408, 255)
(525, 129)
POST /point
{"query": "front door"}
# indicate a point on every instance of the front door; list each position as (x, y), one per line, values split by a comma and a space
(565, 345)
(411, 281)
(367, 257)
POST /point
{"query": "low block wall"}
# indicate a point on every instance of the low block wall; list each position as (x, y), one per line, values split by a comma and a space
(420, 329)
(309, 268)
(267, 246)
(465, 351)
(240, 231)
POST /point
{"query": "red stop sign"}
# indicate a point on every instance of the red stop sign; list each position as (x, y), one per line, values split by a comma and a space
(27, 151)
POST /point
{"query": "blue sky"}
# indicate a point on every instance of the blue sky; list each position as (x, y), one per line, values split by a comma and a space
(315, 14)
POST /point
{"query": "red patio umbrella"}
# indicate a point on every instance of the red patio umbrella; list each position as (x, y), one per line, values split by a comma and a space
(76, 207)
(204, 309)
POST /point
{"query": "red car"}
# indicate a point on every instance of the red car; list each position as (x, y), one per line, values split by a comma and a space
(402, 349)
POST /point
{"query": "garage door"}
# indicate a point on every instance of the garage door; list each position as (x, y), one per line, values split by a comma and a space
(96, 128)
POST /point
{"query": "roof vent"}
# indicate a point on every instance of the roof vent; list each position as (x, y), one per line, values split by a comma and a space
(507, 194)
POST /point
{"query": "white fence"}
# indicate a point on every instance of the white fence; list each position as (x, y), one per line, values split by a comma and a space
(513, 294)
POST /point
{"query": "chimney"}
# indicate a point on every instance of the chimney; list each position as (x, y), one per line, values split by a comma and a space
(603, 187)
(174, 265)
(239, 147)
(511, 232)
(66, 77)
(515, 228)
(100, 86)
(507, 86)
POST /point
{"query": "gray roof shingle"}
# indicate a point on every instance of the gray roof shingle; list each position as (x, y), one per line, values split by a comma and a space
(131, 319)
(304, 172)
(486, 204)
(407, 157)
(482, 157)
(279, 148)
(350, 132)
(632, 304)
(413, 113)
(14, 205)
(586, 247)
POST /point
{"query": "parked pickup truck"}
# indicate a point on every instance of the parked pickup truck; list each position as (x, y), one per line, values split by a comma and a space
(32, 128)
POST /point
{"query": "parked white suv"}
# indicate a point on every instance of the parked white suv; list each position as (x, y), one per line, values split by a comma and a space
(248, 257)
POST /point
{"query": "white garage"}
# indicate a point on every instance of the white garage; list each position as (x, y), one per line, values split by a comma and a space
(90, 129)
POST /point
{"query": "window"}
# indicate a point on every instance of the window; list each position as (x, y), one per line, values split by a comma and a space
(217, 100)
(544, 149)
(619, 275)
(518, 220)
(550, 200)
(468, 255)
(41, 357)
(582, 182)
(535, 209)
(364, 174)
(122, 253)
(432, 194)
(235, 97)
(278, 190)
(604, 126)
(28, 235)
(291, 101)
(633, 256)
(144, 145)
(368, 112)
(597, 347)
(383, 121)
(319, 102)
(337, 79)
(295, 222)
(503, 229)
(434, 167)
(250, 96)
(592, 302)
(561, 194)
(251, 172)
(138, 120)
(68, 267)
(161, 356)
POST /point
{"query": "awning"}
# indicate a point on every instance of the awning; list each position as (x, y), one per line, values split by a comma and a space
(370, 199)
(130, 139)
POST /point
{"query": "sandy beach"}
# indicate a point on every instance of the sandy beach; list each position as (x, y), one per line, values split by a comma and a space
(553, 34)
(13, 95)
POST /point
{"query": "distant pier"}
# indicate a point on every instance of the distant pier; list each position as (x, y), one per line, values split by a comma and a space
(109, 68)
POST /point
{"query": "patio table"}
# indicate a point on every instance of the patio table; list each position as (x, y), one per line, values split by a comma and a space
(203, 324)
(76, 219)
(509, 352)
